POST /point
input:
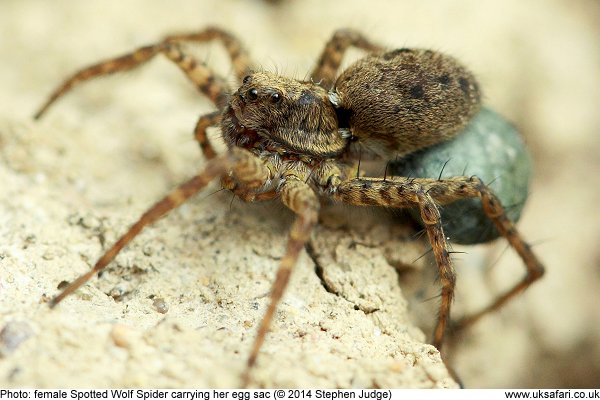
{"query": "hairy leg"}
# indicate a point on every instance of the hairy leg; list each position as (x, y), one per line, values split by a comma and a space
(301, 199)
(240, 162)
(207, 82)
(205, 122)
(448, 190)
(401, 194)
(240, 60)
(333, 53)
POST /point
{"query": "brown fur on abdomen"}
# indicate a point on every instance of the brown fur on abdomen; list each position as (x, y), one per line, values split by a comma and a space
(406, 99)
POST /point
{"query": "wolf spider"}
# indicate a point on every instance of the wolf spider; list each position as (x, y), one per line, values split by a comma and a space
(298, 140)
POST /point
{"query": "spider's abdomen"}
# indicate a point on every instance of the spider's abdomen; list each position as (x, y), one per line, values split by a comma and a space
(406, 99)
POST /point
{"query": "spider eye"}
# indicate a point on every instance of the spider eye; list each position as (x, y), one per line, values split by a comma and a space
(246, 79)
(252, 94)
(275, 97)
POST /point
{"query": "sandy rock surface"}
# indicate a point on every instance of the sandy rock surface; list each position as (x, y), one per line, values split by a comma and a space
(180, 306)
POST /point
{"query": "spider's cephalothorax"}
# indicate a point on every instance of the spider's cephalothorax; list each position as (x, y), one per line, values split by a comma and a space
(273, 113)
(293, 140)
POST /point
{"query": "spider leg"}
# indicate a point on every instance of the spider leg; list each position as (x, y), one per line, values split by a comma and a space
(401, 194)
(426, 193)
(448, 190)
(240, 59)
(207, 83)
(331, 57)
(300, 198)
(204, 122)
(240, 162)
(204, 79)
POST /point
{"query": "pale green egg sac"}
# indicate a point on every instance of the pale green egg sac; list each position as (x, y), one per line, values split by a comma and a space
(492, 149)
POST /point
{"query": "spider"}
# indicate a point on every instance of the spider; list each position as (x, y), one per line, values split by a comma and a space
(301, 140)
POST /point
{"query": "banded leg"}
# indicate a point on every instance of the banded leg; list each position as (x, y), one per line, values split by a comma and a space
(301, 199)
(204, 122)
(237, 160)
(394, 193)
(448, 190)
(331, 57)
(402, 194)
(208, 83)
(240, 59)
(238, 55)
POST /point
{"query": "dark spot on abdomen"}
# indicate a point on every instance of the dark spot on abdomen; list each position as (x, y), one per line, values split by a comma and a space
(417, 92)
(444, 79)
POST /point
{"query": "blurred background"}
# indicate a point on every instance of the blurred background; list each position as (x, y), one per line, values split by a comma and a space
(538, 63)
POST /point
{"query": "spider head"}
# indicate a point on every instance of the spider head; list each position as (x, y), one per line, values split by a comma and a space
(269, 111)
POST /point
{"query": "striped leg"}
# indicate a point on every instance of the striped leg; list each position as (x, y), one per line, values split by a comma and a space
(204, 79)
(426, 193)
(242, 65)
(208, 83)
(401, 194)
(241, 163)
(331, 57)
(204, 122)
(214, 87)
(301, 199)
(448, 190)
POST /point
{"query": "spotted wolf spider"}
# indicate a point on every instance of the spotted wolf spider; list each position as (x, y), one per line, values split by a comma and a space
(298, 140)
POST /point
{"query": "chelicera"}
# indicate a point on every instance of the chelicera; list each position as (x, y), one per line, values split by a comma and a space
(300, 140)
